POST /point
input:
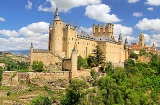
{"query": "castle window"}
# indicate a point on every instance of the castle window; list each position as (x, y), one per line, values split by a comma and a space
(72, 38)
(78, 42)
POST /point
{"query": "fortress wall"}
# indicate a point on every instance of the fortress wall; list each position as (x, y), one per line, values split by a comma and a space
(46, 58)
(67, 64)
(52, 75)
(12, 78)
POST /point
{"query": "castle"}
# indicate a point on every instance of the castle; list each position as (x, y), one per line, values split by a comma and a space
(66, 43)
(63, 38)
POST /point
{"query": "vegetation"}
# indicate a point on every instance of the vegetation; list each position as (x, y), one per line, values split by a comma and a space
(11, 64)
(136, 84)
(74, 93)
(81, 63)
(133, 55)
(38, 66)
(97, 57)
(41, 100)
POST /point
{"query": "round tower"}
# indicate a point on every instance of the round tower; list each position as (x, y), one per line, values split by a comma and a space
(57, 34)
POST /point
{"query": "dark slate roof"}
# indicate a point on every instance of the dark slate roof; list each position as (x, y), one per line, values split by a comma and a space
(103, 38)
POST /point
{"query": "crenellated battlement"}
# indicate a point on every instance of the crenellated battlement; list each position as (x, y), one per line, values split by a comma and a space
(99, 30)
(40, 51)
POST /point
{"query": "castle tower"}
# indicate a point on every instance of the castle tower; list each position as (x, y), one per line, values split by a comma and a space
(120, 39)
(56, 34)
(141, 40)
(74, 62)
(110, 30)
(126, 48)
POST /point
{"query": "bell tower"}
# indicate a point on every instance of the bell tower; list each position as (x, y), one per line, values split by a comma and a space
(141, 40)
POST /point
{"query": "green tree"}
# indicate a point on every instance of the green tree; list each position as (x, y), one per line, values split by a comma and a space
(41, 100)
(93, 74)
(81, 63)
(98, 56)
(142, 52)
(74, 93)
(38, 66)
(90, 61)
(133, 55)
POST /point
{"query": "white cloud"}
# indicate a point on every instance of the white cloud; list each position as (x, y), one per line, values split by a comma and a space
(133, 1)
(65, 5)
(29, 5)
(34, 29)
(149, 24)
(35, 32)
(101, 12)
(150, 9)
(130, 39)
(124, 30)
(9, 33)
(153, 2)
(137, 14)
(87, 30)
(2, 19)
(146, 38)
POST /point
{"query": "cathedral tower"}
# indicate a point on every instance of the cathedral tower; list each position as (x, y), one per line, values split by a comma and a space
(141, 40)
(56, 34)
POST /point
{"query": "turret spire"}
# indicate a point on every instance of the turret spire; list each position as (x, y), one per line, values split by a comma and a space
(31, 44)
(126, 42)
(56, 15)
(120, 37)
(74, 49)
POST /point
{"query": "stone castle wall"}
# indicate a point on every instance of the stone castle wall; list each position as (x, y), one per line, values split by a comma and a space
(12, 78)
(46, 57)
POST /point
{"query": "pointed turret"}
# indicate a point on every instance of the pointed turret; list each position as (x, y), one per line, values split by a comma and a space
(74, 49)
(120, 39)
(126, 42)
(75, 26)
(56, 15)
(68, 22)
(31, 44)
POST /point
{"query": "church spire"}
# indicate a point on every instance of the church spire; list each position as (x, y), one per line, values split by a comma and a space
(56, 15)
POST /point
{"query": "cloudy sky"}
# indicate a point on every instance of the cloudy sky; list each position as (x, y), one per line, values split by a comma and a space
(26, 21)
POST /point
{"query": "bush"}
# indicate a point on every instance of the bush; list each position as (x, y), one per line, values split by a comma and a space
(9, 93)
(38, 66)
(41, 100)
(81, 63)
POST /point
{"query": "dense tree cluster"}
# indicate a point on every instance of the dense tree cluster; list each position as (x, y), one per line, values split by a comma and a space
(136, 84)
(14, 65)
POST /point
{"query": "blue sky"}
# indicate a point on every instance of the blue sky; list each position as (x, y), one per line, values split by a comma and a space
(26, 21)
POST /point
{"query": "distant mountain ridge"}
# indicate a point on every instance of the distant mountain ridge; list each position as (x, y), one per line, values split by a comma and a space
(27, 52)
(19, 52)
